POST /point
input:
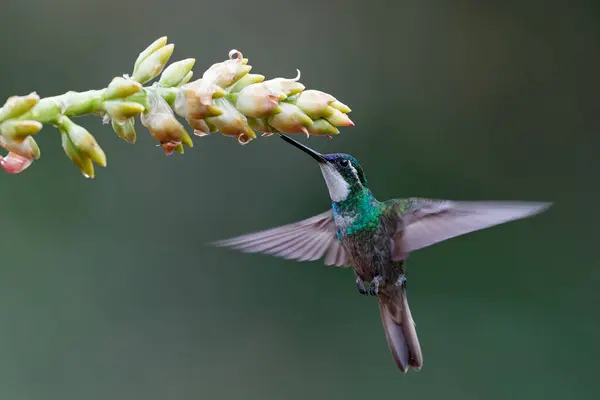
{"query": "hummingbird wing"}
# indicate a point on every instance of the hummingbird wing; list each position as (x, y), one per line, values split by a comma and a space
(424, 222)
(306, 240)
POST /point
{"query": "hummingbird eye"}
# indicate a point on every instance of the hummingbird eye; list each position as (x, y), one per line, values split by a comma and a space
(343, 162)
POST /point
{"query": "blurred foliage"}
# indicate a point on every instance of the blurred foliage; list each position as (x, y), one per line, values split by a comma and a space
(108, 291)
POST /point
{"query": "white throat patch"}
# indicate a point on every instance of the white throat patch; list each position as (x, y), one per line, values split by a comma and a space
(337, 185)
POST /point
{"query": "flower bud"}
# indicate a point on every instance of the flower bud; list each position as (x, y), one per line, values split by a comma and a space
(14, 163)
(153, 65)
(16, 106)
(27, 148)
(170, 147)
(164, 128)
(338, 105)
(83, 162)
(200, 127)
(176, 72)
(186, 139)
(291, 120)
(245, 81)
(179, 148)
(157, 44)
(18, 130)
(261, 124)
(119, 88)
(82, 141)
(338, 118)
(125, 129)
(232, 122)
(313, 102)
(186, 78)
(228, 72)
(122, 110)
(162, 124)
(287, 86)
(322, 127)
(258, 100)
(194, 100)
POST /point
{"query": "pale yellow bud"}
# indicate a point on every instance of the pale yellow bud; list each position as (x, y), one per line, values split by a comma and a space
(122, 110)
(153, 65)
(322, 127)
(186, 139)
(291, 120)
(338, 118)
(119, 88)
(338, 105)
(314, 102)
(82, 140)
(187, 78)
(125, 129)
(245, 81)
(157, 44)
(176, 72)
(83, 162)
(261, 124)
(16, 106)
(18, 130)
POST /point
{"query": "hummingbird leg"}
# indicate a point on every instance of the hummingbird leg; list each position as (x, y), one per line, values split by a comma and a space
(374, 286)
(360, 284)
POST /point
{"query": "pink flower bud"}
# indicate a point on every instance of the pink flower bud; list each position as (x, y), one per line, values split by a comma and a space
(258, 100)
(14, 163)
(228, 72)
(194, 100)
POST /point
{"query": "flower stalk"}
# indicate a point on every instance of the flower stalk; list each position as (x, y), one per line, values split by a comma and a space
(227, 98)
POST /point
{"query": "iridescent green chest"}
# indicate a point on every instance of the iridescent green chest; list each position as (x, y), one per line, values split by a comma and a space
(357, 215)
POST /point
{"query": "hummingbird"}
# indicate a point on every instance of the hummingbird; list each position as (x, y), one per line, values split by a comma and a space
(374, 238)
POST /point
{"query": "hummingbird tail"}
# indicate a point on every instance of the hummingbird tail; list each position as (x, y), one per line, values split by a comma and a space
(400, 329)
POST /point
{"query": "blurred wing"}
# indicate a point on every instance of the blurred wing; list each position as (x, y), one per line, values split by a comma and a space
(307, 240)
(426, 222)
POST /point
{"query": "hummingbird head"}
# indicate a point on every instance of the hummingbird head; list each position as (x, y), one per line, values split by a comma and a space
(342, 172)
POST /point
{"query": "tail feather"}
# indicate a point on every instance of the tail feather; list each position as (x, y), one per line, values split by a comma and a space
(400, 330)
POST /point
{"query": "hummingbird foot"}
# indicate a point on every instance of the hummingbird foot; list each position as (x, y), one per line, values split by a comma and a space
(360, 285)
(374, 286)
(401, 281)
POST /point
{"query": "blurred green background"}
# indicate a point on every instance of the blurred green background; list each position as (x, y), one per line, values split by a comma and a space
(108, 291)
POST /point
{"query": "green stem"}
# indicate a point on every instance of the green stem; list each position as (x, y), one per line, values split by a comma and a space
(76, 104)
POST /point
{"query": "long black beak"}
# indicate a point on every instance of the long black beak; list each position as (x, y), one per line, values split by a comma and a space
(317, 156)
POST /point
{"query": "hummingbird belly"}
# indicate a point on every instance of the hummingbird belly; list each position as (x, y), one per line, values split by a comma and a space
(370, 254)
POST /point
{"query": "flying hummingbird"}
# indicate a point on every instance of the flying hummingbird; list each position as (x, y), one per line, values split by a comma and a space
(375, 238)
